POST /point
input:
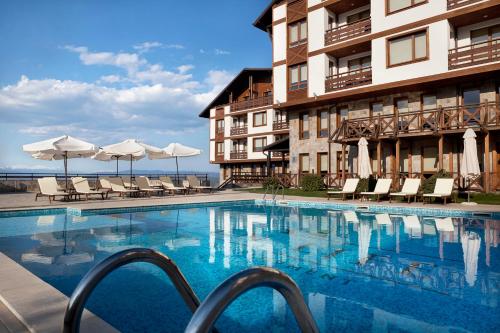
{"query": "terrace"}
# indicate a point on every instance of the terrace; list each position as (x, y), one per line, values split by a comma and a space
(252, 103)
(347, 31)
(475, 54)
(350, 79)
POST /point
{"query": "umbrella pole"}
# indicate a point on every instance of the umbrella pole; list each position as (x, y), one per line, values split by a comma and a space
(177, 166)
(66, 169)
(130, 169)
(117, 166)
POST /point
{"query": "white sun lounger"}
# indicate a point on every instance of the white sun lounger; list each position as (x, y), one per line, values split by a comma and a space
(350, 186)
(143, 184)
(81, 186)
(410, 189)
(382, 188)
(49, 188)
(195, 184)
(118, 187)
(169, 186)
(443, 189)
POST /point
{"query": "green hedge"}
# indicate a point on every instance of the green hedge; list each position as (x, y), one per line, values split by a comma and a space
(366, 184)
(271, 183)
(311, 183)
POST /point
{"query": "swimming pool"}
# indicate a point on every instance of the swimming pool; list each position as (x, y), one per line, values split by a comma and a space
(358, 271)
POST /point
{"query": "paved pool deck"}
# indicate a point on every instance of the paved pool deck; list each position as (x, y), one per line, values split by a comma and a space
(21, 201)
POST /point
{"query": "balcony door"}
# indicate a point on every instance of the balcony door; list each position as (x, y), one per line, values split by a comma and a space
(359, 64)
(471, 99)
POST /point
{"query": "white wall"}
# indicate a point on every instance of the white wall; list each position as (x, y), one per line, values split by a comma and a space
(317, 73)
(212, 151)
(382, 22)
(279, 42)
(279, 84)
(316, 22)
(311, 3)
(260, 129)
(227, 149)
(437, 63)
(279, 12)
(212, 128)
(257, 155)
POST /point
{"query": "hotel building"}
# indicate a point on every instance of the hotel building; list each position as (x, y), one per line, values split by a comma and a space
(408, 75)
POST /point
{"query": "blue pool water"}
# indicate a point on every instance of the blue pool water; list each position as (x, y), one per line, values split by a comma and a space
(357, 271)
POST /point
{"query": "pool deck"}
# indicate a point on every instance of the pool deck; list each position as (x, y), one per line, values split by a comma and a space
(23, 201)
(27, 304)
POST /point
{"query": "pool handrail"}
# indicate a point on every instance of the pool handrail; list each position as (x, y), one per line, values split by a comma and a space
(76, 303)
(221, 297)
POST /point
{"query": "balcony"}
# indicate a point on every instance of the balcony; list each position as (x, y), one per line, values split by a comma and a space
(452, 4)
(241, 130)
(239, 155)
(474, 54)
(280, 125)
(252, 103)
(351, 79)
(452, 119)
(348, 31)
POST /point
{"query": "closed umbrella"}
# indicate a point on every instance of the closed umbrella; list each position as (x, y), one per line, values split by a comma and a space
(364, 165)
(176, 150)
(130, 150)
(61, 148)
(471, 242)
(469, 168)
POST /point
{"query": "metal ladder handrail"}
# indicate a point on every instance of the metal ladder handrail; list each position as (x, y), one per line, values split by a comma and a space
(82, 292)
(220, 298)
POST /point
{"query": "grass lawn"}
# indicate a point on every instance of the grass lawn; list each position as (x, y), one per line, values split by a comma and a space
(480, 198)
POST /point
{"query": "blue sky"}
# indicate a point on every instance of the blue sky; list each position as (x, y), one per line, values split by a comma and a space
(108, 70)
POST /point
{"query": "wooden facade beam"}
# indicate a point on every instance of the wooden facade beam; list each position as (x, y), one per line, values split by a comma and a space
(440, 152)
(379, 158)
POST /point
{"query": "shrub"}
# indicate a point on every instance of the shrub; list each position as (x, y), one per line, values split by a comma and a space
(310, 183)
(429, 183)
(366, 184)
(270, 183)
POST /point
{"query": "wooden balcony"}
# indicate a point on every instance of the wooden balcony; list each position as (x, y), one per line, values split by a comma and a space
(241, 130)
(475, 54)
(239, 155)
(252, 103)
(436, 121)
(349, 79)
(280, 125)
(348, 31)
(452, 4)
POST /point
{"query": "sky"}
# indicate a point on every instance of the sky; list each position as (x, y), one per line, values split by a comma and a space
(108, 70)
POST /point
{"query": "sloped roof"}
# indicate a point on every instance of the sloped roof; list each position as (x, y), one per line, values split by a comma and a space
(265, 19)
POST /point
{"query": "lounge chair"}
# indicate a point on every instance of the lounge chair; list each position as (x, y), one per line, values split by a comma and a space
(442, 189)
(49, 188)
(143, 184)
(118, 187)
(169, 186)
(195, 184)
(81, 186)
(382, 188)
(128, 183)
(350, 186)
(186, 185)
(410, 189)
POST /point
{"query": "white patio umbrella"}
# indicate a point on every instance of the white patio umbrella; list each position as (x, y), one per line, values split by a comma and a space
(129, 150)
(60, 148)
(469, 168)
(176, 150)
(471, 242)
(364, 165)
(364, 237)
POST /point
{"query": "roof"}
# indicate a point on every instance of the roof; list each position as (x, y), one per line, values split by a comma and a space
(282, 145)
(265, 19)
(240, 80)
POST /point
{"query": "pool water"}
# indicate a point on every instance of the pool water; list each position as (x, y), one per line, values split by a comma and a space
(357, 271)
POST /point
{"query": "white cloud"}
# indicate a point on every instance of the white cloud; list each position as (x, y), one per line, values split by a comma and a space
(185, 68)
(221, 52)
(111, 78)
(147, 46)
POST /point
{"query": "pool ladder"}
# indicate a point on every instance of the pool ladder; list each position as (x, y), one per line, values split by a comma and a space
(274, 192)
(205, 314)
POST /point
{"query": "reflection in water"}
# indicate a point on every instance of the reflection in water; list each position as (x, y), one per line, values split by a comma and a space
(470, 244)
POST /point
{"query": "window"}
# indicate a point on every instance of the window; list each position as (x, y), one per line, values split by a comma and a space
(429, 102)
(322, 124)
(304, 163)
(376, 108)
(279, 116)
(359, 63)
(259, 144)
(393, 6)
(298, 77)
(304, 126)
(402, 105)
(239, 146)
(331, 22)
(219, 149)
(358, 16)
(297, 33)
(471, 99)
(430, 160)
(342, 113)
(268, 93)
(322, 163)
(259, 119)
(219, 126)
(339, 162)
(240, 121)
(485, 34)
(331, 68)
(407, 49)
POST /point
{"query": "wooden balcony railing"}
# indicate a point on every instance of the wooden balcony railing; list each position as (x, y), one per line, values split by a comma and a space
(441, 120)
(348, 31)
(474, 54)
(252, 103)
(280, 125)
(239, 155)
(349, 79)
(452, 4)
(241, 130)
